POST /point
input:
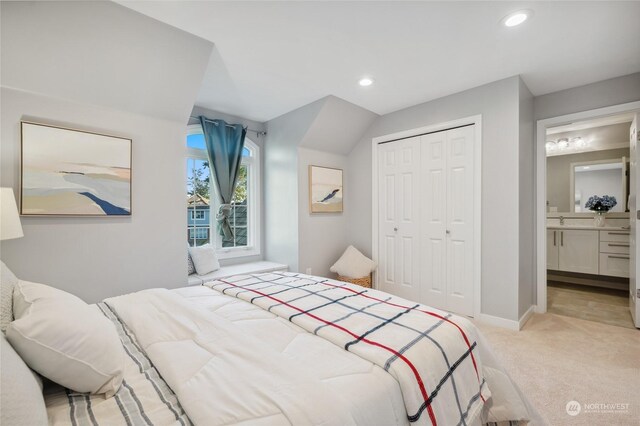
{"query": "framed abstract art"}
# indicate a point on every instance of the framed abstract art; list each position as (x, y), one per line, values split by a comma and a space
(67, 172)
(325, 190)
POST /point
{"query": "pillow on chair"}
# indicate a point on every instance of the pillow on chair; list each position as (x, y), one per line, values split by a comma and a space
(64, 339)
(353, 264)
(204, 259)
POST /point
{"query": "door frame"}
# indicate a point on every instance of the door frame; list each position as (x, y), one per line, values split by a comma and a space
(477, 194)
(541, 186)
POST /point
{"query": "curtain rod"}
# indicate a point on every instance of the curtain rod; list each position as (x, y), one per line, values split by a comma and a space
(258, 132)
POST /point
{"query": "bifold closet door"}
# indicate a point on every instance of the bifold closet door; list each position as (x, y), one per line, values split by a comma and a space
(447, 220)
(398, 215)
(426, 208)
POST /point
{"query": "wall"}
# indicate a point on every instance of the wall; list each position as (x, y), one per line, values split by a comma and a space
(498, 103)
(258, 140)
(323, 236)
(284, 134)
(320, 133)
(95, 258)
(103, 68)
(526, 204)
(559, 174)
(614, 91)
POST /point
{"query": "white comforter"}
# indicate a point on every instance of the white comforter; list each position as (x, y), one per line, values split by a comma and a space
(232, 363)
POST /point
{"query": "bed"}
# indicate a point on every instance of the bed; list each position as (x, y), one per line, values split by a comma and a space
(287, 348)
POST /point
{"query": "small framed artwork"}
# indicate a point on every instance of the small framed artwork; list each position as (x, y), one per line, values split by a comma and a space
(67, 172)
(325, 190)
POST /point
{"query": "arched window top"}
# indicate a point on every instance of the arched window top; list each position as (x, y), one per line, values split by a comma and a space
(195, 140)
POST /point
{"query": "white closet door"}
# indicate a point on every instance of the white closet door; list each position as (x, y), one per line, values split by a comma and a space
(433, 212)
(399, 222)
(459, 204)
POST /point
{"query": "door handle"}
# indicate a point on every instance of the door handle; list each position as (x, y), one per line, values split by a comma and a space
(618, 257)
(562, 238)
(554, 238)
(448, 232)
(618, 233)
(618, 245)
(395, 229)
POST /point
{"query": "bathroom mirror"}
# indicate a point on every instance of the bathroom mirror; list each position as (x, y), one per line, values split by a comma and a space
(602, 177)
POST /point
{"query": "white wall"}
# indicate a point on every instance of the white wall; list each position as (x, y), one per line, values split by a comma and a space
(100, 67)
(323, 236)
(498, 103)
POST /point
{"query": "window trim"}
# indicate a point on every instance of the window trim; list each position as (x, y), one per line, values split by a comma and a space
(253, 247)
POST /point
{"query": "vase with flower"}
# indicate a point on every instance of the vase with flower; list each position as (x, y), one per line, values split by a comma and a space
(600, 205)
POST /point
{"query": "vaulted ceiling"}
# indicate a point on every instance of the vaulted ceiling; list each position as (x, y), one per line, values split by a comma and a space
(273, 57)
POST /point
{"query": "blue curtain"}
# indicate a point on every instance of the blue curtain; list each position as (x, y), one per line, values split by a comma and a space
(224, 145)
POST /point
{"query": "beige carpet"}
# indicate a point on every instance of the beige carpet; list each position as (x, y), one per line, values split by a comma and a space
(557, 359)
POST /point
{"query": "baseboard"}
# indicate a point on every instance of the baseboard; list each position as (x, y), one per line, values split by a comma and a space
(506, 323)
(499, 322)
(524, 318)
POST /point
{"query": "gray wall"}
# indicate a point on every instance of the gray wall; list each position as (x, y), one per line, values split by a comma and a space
(323, 236)
(526, 155)
(258, 140)
(100, 67)
(95, 258)
(559, 174)
(284, 134)
(615, 91)
(320, 133)
(498, 103)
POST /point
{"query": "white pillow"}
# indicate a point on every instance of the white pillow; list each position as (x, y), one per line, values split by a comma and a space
(20, 391)
(204, 259)
(7, 283)
(64, 339)
(353, 264)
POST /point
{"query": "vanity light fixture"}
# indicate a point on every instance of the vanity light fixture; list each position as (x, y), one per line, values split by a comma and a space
(516, 18)
(563, 143)
(566, 144)
(365, 81)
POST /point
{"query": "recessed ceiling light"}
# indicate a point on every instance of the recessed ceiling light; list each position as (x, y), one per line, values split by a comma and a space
(365, 81)
(516, 18)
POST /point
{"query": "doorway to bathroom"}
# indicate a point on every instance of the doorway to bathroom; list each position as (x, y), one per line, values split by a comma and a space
(587, 265)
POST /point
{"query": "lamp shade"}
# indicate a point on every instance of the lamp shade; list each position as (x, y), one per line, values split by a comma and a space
(9, 219)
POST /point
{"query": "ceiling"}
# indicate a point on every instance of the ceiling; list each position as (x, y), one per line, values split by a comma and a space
(272, 57)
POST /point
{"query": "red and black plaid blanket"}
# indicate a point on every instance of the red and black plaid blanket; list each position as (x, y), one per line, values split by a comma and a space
(432, 354)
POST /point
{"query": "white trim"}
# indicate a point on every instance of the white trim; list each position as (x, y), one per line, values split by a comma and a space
(254, 244)
(572, 179)
(477, 202)
(526, 316)
(499, 322)
(541, 185)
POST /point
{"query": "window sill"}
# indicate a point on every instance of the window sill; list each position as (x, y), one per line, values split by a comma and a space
(233, 253)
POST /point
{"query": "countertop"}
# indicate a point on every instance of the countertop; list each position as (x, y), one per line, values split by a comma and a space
(587, 227)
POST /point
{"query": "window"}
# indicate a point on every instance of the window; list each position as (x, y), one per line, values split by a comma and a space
(197, 214)
(203, 204)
